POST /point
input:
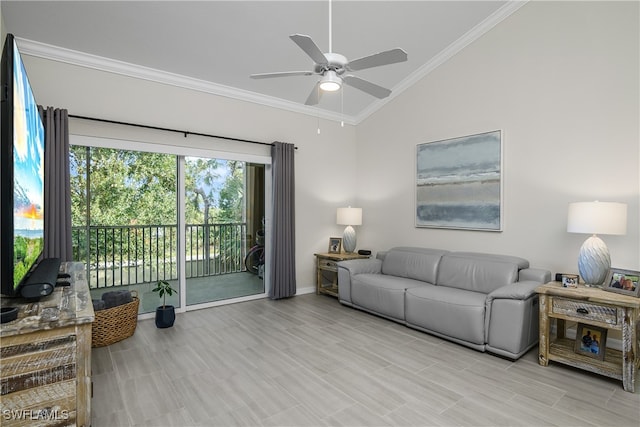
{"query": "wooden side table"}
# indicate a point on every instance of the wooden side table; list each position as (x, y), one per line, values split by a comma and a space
(327, 271)
(595, 307)
(46, 357)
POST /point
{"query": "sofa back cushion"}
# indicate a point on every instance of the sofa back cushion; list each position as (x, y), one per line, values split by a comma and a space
(476, 273)
(413, 263)
(520, 262)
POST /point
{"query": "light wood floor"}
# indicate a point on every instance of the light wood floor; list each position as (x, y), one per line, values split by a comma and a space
(309, 361)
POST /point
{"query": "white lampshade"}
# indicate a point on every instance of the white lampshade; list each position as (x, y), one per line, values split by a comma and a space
(349, 216)
(594, 218)
(597, 218)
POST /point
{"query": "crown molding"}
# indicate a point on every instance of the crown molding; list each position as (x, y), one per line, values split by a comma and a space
(72, 57)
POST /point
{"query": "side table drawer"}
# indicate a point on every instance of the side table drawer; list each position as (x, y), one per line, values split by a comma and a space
(327, 264)
(584, 310)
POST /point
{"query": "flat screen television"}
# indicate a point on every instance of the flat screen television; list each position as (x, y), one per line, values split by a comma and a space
(23, 272)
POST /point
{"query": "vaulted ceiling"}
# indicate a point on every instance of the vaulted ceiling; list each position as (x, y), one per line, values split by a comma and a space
(215, 45)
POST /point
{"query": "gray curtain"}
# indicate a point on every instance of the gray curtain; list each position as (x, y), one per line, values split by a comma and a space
(283, 237)
(57, 193)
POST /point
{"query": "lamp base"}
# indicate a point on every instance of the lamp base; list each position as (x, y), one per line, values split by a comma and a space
(349, 239)
(594, 261)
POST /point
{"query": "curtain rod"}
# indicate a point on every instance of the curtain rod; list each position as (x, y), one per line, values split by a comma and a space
(184, 132)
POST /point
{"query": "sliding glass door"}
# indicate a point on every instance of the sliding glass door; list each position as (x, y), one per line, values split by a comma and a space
(220, 229)
(124, 217)
(197, 222)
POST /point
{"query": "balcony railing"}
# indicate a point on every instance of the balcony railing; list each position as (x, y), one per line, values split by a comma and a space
(129, 255)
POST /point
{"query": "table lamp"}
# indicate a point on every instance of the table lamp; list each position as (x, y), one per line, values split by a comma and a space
(349, 217)
(594, 218)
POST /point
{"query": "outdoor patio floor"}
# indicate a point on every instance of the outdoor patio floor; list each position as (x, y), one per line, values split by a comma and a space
(199, 290)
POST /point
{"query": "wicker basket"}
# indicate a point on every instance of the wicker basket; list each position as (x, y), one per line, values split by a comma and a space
(115, 324)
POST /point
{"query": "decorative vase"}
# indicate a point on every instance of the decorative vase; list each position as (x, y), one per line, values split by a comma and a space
(594, 261)
(349, 239)
(165, 316)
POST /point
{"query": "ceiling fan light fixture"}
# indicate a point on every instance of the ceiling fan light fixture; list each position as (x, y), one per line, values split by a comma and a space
(330, 82)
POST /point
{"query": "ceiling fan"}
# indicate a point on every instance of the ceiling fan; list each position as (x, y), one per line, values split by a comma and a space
(334, 68)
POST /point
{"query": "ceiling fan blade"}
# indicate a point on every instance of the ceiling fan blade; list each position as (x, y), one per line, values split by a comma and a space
(377, 59)
(310, 48)
(366, 86)
(314, 96)
(283, 74)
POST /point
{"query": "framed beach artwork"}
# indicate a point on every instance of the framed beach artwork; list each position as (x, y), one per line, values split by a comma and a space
(459, 183)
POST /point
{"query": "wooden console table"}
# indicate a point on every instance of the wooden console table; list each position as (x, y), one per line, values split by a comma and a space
(590, 306)
(327, 271)
(45, 355)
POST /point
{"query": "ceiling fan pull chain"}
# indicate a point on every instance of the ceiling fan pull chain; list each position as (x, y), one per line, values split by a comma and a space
(342, 108)
(330, 35)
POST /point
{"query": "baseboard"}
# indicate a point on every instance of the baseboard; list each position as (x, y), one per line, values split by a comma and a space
(307, 290)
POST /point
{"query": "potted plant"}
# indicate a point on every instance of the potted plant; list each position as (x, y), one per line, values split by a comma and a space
(165, 314)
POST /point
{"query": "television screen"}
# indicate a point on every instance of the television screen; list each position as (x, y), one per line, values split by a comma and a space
(21, 175)
(28, 174)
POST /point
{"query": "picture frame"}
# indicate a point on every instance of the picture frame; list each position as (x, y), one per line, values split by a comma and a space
(570, 280)
(335, 245)
(625, 282)
(591, 341)
(459, 183)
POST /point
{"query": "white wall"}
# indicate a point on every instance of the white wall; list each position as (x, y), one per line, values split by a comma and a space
(561, 80)
(324, 179)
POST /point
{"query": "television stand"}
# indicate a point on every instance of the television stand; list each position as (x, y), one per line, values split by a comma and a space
(46, 357)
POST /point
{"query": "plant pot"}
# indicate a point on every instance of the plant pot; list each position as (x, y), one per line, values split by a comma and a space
(165, 316)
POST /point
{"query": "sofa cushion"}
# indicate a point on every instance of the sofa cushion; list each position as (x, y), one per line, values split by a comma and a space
(413, 263)
(381, 294)
(476, 274)
(448, 311)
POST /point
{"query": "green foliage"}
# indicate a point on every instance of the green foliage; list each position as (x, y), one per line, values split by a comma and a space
(78, 172)
(163, 288)
(201, 176)
(125, 188)
(232, 194)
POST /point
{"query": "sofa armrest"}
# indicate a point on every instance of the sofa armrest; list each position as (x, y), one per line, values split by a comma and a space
(535, 274)
(517, 290)
(511, 320)
(361, 266)
(346, 269)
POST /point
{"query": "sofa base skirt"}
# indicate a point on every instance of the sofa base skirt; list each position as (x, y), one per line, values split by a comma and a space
(478, 347)
(508, 354)
(345, 302)
(376, 313)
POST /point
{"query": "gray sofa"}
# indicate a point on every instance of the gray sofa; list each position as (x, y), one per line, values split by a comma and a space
(484, 301)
